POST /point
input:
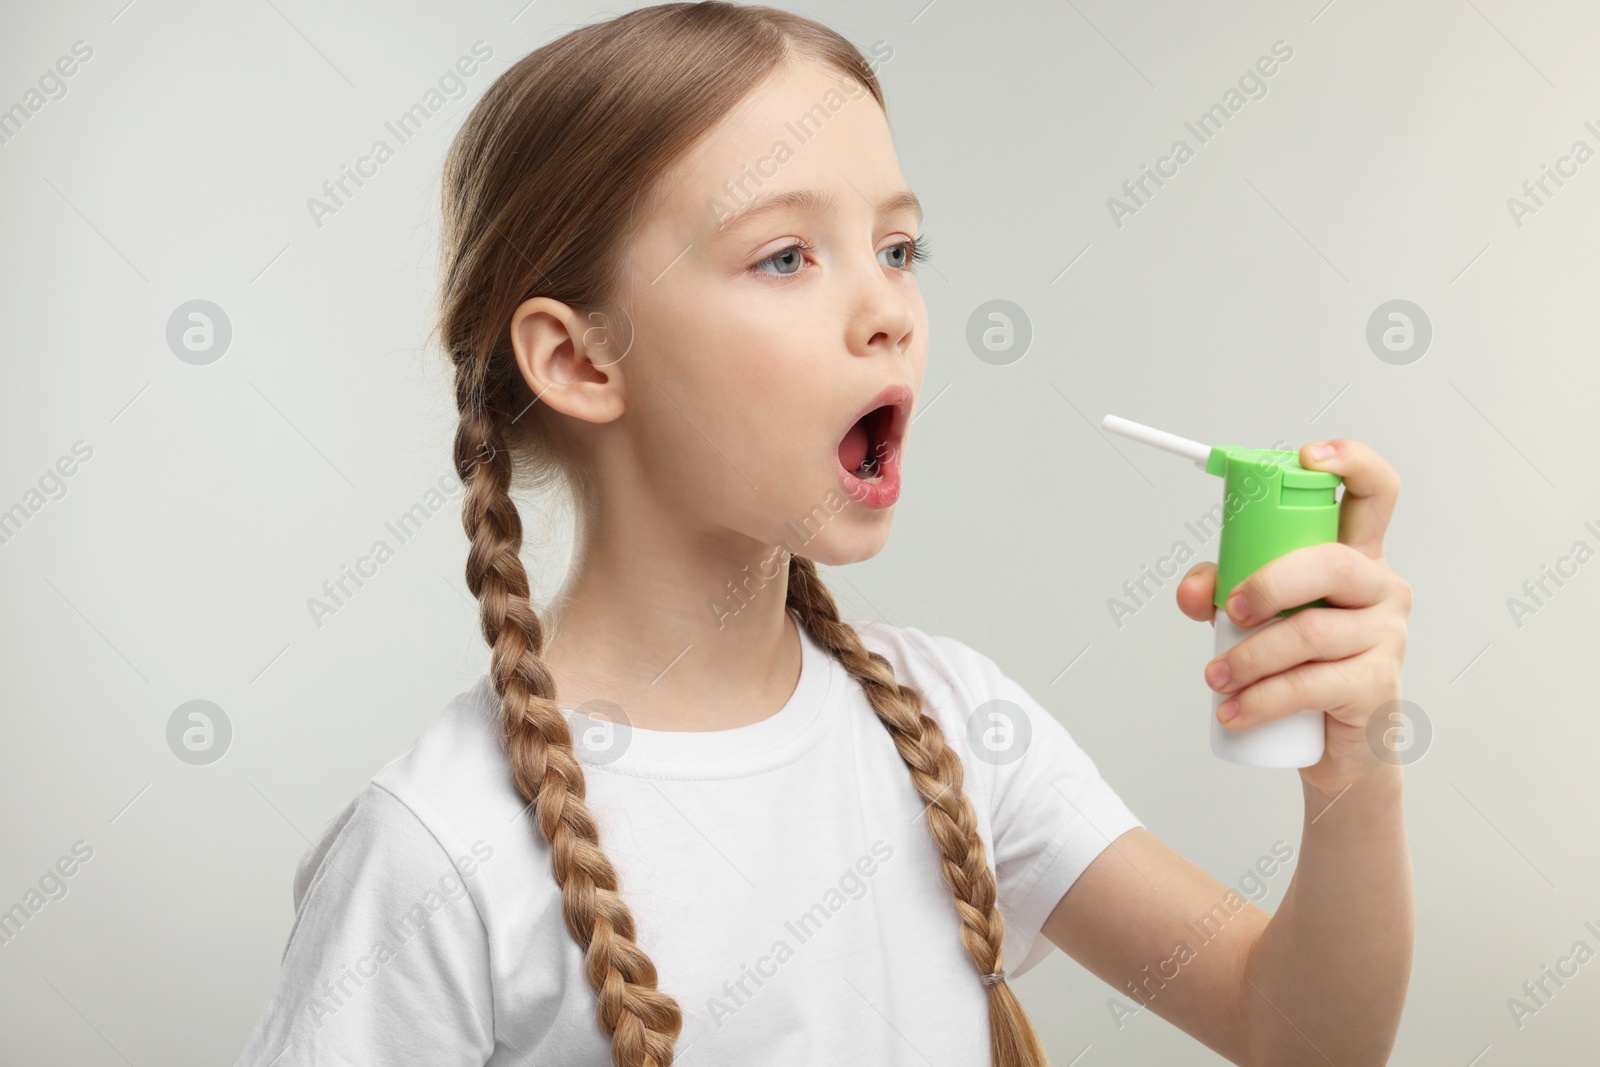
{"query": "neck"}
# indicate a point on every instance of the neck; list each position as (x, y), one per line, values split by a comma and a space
(688, 636)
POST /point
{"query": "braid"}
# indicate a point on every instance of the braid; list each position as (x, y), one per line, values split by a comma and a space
(936, 771)
(642, 1021)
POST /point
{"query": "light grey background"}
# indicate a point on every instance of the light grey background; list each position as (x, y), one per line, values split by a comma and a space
(1232, 308)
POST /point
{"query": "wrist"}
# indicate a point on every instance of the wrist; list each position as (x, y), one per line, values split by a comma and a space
(1383, 783)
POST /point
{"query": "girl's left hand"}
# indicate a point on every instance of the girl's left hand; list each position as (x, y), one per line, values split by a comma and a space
(1345, 659)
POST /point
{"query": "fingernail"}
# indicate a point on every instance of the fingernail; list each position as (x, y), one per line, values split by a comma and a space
(1322, 450)
(1236, 607)
(1228, 710)
(1217, 674)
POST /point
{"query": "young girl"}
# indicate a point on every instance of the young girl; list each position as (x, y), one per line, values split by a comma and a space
(692, 815)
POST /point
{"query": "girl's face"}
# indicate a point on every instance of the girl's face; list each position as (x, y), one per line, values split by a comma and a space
(772, 302)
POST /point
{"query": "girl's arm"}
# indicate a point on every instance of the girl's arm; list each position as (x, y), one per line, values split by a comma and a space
(1327, 978)
(1324, 979)
(1167, 937)
(1320, 981)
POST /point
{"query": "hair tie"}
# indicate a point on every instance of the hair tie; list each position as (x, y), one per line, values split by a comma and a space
(994, 979)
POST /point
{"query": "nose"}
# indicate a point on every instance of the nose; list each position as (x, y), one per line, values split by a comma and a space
(883, 312)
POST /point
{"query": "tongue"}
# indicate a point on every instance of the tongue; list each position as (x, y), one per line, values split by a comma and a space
(853, 449)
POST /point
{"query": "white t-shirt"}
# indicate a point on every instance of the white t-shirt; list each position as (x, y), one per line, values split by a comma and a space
(781, 876)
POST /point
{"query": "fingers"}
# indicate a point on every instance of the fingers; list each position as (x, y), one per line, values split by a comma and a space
(1196, 590)
(1320, 685)
(1333, 571)
(1312, 634)
(1371, 487)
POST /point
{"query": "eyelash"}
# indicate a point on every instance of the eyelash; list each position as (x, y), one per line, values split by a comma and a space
(917, 252)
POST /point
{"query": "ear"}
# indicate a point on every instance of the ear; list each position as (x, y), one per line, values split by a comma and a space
(571, 359)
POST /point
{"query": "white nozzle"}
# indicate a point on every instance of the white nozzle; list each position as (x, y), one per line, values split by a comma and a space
(1167, 442)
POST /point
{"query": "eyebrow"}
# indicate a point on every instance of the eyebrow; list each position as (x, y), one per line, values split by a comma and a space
(811, 199)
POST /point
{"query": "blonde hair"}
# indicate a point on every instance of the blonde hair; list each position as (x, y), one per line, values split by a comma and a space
(542, 185)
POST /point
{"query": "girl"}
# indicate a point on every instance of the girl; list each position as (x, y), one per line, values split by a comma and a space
(690, 814)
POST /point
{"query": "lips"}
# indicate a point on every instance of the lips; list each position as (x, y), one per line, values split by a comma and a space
(869, 452)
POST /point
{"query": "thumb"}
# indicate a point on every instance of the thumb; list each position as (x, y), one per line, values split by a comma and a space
(1196, 590)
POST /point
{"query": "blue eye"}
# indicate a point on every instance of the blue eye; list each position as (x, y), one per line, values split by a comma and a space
(780, 256)
(911, 252)
(789, 260)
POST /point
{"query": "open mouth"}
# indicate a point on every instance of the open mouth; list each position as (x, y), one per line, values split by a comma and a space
(865, 447)
(869, 453)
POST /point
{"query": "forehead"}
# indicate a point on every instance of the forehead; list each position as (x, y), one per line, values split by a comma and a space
(806, 126)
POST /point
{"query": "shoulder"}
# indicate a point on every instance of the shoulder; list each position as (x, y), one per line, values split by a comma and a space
(1051, 810)
(456, 776)
(945, 669)
(385, 875)
(987, 716)
(1021, 751)
(375, 845)
(436, 802)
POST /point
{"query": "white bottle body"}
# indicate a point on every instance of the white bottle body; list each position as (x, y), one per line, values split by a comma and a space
(1295, 740)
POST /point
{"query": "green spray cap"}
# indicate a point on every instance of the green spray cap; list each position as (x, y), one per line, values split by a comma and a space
(1271, 505)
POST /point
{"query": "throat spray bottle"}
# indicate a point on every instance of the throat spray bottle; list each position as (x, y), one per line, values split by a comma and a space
(1271, 506)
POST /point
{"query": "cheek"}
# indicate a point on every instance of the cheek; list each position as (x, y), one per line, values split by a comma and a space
(767, 370)
(773, 406)
(745, 369)
(742, 389)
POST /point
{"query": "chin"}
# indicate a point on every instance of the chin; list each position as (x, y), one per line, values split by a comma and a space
(837, 547)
